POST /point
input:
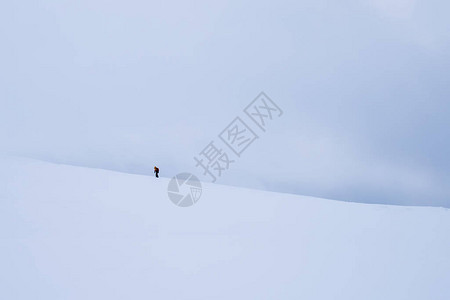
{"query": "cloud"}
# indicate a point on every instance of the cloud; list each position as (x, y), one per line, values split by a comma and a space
(365, 108)
(401, 9)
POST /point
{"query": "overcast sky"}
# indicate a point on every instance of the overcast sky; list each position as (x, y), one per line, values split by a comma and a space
(126, 85)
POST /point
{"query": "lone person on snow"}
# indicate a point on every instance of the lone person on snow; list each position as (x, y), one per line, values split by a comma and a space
(156, 171)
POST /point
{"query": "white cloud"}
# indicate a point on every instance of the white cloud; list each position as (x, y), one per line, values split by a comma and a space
(402, 9)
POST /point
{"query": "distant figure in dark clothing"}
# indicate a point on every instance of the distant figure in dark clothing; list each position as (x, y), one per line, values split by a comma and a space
(156, 171)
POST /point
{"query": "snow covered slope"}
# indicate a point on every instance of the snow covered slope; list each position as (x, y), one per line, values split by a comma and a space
(75, 233)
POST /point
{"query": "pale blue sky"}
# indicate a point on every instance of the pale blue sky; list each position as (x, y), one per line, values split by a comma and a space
(126, 85)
